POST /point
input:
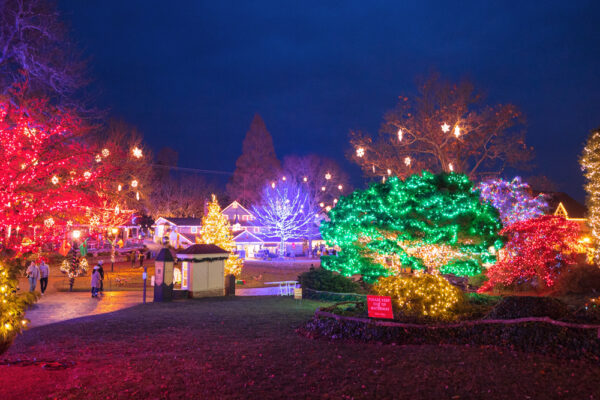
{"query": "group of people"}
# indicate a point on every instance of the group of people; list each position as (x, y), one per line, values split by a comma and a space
(38, 270)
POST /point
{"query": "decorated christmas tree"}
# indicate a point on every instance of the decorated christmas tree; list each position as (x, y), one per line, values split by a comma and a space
(590, 165)
(216, 230)
(73, 266)
(427, 222)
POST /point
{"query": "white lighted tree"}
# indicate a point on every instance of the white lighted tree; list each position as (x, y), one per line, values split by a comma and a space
(590, 165)
(286, 212)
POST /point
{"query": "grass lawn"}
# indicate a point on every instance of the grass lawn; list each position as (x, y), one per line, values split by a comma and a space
(248, 348)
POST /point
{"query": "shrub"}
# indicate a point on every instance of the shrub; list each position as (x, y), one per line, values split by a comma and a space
(579, 279)
(537, 251)
(529, 306)
(12, 308)
(422, 295)
(325, 280)
(477, 280)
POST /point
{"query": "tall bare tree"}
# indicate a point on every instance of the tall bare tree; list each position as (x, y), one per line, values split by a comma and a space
(445, 127)
(322, 178)
(34, 46)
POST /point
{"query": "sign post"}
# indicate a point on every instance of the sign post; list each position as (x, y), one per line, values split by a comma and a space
(380, 307)
(145, 276)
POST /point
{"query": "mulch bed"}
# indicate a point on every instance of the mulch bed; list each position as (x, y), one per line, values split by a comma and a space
(249, 348)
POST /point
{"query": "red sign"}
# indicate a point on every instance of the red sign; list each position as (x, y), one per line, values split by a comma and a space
(380, 307)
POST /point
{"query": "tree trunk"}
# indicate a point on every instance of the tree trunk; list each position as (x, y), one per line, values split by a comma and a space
(71, 282)
(282, 248)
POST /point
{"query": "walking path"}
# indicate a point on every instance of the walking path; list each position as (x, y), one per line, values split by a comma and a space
(61, 306)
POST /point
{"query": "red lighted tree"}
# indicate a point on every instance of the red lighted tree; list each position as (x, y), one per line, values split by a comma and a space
(444, 128)
(536, 252)
(47, 174)
(257, 165)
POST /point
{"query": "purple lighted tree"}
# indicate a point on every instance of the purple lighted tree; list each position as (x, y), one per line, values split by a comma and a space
(286, 211)
(513, 199)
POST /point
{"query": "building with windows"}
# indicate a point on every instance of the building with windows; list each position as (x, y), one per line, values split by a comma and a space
(249, 236)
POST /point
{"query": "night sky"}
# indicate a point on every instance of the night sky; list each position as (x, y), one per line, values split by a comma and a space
(191, 74)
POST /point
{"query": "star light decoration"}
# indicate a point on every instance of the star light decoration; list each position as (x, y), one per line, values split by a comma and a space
(445, 128)
(433, 222)
(137, 152)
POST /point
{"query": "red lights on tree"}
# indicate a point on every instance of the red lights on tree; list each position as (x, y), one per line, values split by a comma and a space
(536, 252)
(47, 175)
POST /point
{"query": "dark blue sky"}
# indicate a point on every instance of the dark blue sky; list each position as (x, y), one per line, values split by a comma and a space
(191, 74)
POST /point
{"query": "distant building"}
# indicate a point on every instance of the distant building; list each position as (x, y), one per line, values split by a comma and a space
(563, 205)
(181, 232)
(248, 234)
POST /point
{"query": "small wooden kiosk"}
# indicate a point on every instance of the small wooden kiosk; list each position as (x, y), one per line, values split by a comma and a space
(203, 270)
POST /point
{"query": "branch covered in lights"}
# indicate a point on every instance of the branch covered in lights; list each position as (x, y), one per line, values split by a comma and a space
(444, 128)
(286, 212)
(537, 250)
(513, 199)
(590, 165)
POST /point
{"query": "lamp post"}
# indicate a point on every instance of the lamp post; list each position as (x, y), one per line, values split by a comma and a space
(114, 231)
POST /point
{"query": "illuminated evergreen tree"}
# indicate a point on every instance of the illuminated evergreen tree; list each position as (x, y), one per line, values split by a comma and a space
(590, 165)
(513, 199)
(537, 250)
(216, 230)
(427, 222)
(73, 266)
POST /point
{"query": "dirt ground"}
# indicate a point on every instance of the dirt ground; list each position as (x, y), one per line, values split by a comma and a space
(225, 348)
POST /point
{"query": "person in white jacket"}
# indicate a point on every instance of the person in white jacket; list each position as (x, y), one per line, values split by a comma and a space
(95, 281)
(33, 274)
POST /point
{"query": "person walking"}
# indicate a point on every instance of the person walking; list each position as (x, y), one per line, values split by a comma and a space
(33, 274)
(44, 272)
(95, 281)
(101, 271)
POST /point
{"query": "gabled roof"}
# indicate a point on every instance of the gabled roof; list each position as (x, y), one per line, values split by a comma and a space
(247, 237)
(561, 203)
(188, 237)
(239, 207)
(182, 221)
(203, 249)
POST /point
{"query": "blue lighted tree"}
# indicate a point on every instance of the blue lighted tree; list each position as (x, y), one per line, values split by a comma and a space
(286, 211)
(513, 200)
